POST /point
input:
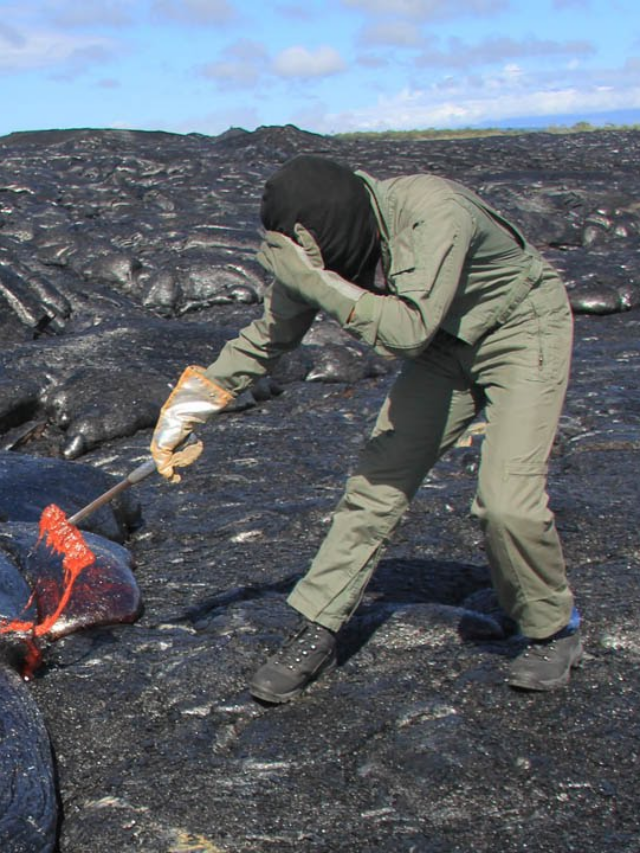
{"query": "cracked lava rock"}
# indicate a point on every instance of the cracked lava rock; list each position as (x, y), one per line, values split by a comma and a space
(124, 257)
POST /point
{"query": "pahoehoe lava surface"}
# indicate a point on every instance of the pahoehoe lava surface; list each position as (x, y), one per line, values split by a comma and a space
(125, 256)
(28, 805)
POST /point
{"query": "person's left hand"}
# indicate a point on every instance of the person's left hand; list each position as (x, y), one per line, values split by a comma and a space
(290, 261)
(299, 267)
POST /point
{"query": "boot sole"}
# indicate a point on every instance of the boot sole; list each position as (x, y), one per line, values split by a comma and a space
(266, 695)
(535, 684)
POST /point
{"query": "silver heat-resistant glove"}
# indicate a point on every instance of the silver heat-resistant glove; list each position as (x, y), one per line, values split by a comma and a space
(193, 401)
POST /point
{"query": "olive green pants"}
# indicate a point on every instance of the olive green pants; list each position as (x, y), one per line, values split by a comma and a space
(518, 375)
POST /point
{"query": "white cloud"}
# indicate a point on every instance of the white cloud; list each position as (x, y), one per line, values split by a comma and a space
(429, 10)
(11, 36)
(195, 11)
(513, 72)
(241, 65)
(394, 33)
(300, 62)
(368, 60)
(87, 13)
(296, 11)
(571, 4)
(52, 51)
(498, 49)
(82, 60)
(414, 109)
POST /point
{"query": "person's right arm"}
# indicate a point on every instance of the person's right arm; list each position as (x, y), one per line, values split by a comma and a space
(242, 361)
(201, 393)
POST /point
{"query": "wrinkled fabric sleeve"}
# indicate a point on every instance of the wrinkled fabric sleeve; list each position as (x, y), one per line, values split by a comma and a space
(256, 350)
(427, 266)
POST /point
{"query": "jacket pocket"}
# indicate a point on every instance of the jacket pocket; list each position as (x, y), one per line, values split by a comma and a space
(405, 273)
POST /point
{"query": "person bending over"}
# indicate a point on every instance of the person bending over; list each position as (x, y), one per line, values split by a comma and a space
(480, 321)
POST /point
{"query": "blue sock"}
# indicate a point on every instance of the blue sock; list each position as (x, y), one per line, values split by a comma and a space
(571, 627)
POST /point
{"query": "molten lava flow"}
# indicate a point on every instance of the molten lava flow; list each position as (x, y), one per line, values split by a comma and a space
(76, 556)
(68, 541)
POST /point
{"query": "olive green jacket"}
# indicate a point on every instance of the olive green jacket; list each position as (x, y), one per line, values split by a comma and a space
(450, 262)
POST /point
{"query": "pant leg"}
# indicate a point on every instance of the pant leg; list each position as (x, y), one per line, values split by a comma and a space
(523, 368)
(428, 408)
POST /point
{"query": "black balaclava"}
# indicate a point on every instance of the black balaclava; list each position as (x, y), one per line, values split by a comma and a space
(333, 205)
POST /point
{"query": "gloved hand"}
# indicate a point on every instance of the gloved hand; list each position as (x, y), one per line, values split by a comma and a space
(300, 268)
(193, 401)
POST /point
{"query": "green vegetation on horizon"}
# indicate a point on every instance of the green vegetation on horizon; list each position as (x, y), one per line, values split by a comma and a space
(466, 132)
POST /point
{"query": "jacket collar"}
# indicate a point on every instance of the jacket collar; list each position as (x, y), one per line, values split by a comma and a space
(381, 205)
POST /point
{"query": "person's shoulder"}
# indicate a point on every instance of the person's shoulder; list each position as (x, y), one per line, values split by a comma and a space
(418, 180)
(421, 196)
(422, 185)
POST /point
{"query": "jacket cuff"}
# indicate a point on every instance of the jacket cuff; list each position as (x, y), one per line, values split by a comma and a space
(336, 296)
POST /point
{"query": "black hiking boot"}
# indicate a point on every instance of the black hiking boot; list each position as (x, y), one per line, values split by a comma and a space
(547, 664)
(307, 653)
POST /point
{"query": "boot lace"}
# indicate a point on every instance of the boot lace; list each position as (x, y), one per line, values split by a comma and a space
(542, 651)
(302, 643)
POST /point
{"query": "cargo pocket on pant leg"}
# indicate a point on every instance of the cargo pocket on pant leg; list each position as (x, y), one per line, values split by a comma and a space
(554, 338)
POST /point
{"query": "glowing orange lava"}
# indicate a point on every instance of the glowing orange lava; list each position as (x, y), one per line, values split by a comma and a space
(68, 541)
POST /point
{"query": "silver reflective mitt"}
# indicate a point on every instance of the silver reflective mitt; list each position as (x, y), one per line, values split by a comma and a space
(193, 401)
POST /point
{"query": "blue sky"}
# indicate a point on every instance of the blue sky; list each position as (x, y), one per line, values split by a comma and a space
(325, 65)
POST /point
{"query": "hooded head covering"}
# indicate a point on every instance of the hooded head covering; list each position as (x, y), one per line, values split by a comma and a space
(333, 205)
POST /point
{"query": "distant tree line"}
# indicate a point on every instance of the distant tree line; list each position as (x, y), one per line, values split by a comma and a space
(465, 132)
